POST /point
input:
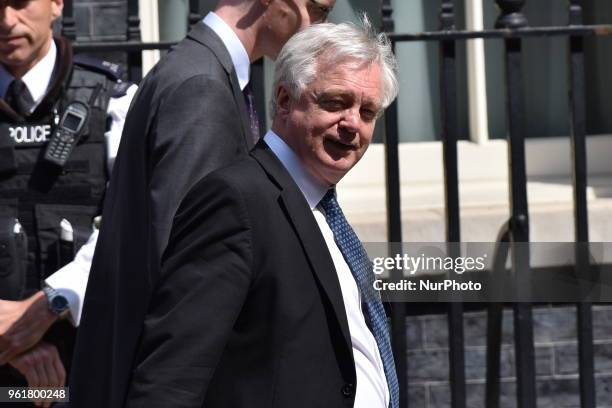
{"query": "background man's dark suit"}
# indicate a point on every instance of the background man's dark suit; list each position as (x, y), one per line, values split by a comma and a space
(273, 330)
(184, 141)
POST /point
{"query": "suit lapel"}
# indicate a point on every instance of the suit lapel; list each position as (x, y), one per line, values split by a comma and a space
(299, 214)
(204, 35)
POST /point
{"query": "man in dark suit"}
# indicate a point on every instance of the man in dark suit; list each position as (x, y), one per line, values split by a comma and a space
(265, 297)
(190, 117)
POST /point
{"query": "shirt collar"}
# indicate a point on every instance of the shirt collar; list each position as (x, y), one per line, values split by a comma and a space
(312, 189)
(234, 46)
(37, 79)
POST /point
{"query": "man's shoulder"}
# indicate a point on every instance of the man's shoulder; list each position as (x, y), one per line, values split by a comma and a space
(110, 70)
(243, 177)
(242, 183)
(187, 59)
(243, 174)
(99, 71)
(189, 66)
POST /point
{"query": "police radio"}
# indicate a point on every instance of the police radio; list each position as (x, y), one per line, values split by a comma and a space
(67, 133)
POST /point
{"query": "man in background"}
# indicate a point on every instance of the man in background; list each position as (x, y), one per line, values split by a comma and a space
(193, 113)
(47, 205)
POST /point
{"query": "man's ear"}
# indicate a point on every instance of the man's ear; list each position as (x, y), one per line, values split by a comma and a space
(283, 100)
(57, 6)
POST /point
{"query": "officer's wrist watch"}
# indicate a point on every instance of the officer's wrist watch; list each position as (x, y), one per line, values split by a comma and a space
(58, 304)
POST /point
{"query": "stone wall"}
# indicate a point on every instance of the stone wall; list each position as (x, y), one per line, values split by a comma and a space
(100, 20)
(556, 353)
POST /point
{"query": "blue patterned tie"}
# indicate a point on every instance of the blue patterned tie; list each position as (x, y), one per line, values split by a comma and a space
(361, 267)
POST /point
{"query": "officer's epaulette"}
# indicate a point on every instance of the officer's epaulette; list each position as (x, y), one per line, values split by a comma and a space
(110, 69)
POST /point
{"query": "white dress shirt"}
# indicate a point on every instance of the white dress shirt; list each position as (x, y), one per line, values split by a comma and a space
(234, 46)
(372, 390)
(71, 280)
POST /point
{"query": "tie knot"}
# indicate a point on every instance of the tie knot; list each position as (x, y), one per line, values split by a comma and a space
(19, 98)
(17, 86)
(248, 90)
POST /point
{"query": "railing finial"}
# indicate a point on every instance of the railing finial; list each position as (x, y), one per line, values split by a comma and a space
(133, 21)
(388, 25)
(510, 16)
(194, 12)
(68, 22)
(575, 12)
(447, 15)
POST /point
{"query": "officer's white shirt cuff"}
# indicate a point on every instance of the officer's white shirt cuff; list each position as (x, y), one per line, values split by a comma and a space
(71, 280)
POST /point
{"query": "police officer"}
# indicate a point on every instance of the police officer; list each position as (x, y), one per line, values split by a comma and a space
(61, 118)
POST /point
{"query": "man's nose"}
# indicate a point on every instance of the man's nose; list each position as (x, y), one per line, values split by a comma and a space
(350, 119)
(8, 17)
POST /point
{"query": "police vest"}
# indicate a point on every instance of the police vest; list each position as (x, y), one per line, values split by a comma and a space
(36, 195)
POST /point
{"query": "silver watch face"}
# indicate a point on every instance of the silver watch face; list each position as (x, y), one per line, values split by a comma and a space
(59, 303)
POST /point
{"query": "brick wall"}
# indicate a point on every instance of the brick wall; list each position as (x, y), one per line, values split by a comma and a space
(556, 358)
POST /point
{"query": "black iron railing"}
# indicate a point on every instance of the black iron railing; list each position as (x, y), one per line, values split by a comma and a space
(132, 46)
(448, 92)
(512, 27)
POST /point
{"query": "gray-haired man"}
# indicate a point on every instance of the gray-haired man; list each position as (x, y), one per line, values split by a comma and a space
(266, 297)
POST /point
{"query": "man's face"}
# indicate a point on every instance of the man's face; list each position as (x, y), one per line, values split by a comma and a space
(283, 18)
(25, 31)
(330, 126)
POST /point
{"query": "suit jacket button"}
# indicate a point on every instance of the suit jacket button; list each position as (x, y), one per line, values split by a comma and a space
(348, 390)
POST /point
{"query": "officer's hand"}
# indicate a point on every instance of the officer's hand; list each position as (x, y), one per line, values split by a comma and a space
(22, 324)
(42, 367)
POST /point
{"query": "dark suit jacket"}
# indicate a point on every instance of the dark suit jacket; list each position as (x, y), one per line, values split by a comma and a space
(188, 118)
(248, 312)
